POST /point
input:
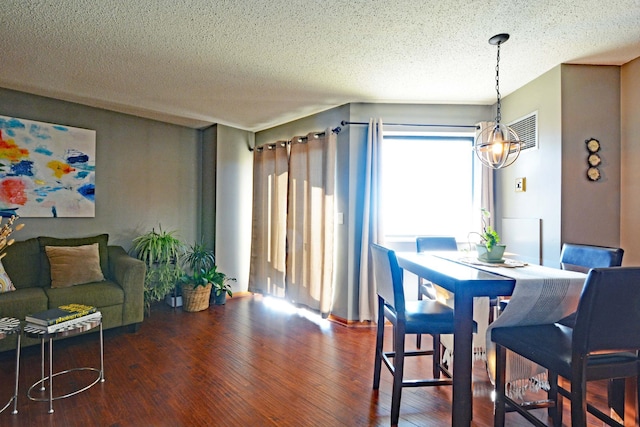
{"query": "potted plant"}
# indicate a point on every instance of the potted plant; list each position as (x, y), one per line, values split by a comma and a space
(199, 262)
(221, 286)
(489, 249)
(160, 251)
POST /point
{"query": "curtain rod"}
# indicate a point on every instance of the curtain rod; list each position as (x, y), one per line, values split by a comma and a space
(300, 140)
(345, 123)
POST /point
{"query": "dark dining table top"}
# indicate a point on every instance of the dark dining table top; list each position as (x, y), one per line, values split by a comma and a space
(456, 276)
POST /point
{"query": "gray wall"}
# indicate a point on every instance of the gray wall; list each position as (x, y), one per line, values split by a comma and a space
(630, 170)
(590, 109)
(233, 201)
(542, 168)
(574, 102)
(147, 172)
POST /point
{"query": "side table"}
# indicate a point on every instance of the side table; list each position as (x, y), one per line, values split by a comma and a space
(68, 331)
(11, 326)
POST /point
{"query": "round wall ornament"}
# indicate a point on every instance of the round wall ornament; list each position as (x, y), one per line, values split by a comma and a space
(593, 174)
(593, 145)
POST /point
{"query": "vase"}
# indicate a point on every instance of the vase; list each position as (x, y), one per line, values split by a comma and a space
(219, 299)
(494, 255)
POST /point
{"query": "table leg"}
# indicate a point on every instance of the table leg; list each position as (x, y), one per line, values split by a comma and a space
(42, 364)
(50, 376)
(15, 392)
(101, 355)
(462, 408)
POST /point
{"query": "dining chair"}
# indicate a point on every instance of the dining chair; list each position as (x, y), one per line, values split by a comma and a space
(407, 317)
(425, 244)
(582, 258)
(603, 344)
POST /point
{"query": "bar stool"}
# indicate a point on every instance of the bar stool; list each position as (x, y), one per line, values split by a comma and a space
(11, 326)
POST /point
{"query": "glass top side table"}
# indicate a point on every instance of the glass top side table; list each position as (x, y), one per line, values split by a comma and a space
(76, 328)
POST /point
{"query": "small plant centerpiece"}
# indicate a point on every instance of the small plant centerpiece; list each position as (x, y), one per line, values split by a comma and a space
(160, 251)
(199, 264)
(489, 249)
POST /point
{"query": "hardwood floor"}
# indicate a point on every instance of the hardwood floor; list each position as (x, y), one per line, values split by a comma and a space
(243, 364)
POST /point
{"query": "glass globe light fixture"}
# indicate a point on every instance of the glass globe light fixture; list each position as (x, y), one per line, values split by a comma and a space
(497, 145)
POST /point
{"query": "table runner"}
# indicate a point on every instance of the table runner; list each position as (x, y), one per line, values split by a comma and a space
(541, 295)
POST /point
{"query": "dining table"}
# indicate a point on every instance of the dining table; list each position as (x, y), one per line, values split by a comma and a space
(466, 279)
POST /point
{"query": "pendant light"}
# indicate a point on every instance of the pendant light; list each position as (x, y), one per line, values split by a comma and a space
(497, 145)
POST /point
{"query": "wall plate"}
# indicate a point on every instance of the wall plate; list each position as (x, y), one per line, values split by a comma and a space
(521, 185)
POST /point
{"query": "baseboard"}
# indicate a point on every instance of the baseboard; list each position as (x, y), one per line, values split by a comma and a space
(351, 323)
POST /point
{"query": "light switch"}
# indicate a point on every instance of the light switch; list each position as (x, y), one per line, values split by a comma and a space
(521, 185)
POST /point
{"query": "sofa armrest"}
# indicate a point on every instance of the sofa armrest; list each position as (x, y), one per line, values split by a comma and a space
(129, 273)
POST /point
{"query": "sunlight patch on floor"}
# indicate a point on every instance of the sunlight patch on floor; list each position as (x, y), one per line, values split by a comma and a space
(286, 307)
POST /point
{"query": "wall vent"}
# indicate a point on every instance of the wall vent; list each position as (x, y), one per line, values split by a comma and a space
(527, 129)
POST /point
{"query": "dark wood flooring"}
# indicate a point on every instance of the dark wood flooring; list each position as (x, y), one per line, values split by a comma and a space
(242, 364)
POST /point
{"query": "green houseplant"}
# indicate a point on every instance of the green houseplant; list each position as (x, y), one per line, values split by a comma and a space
(198, 261)
(221, 286)
(160, 250)
(489, 249)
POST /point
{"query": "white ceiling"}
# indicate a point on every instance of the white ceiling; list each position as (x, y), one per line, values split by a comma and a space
(254, 64)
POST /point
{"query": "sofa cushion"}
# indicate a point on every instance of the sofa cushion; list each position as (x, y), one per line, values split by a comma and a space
(24, 301)
(6, 285)
(74, 265)
(99, 294)
(22, 263)
(45, 267)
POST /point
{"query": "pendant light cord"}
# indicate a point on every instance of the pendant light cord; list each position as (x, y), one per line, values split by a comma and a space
(498, 113)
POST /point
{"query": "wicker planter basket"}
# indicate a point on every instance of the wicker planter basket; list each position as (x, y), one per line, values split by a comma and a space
(195, 299)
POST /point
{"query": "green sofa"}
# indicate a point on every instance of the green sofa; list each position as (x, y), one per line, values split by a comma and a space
(119, 298)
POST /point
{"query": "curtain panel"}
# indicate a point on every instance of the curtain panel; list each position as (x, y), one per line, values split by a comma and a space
(310, 222)
(269, 224)
(372, 224)
(292, 247)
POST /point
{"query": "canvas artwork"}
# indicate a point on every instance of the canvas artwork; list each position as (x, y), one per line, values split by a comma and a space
(46, 170)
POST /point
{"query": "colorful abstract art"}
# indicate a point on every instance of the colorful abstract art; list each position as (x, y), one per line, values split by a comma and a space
(46, 170)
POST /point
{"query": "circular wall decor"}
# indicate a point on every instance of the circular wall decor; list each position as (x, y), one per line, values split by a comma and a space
(593, 174)
(594, 160)
(593, 145)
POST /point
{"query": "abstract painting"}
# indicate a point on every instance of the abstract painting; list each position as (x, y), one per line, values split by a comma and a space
(46, 170)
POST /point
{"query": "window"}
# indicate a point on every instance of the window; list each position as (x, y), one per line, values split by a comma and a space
(427, 186)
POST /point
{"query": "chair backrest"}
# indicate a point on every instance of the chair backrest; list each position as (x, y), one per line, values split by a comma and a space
(436, 243)
(584, 257)
(608, 315)
(388, 277)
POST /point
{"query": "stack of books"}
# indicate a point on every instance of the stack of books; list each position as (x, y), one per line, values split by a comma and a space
(62, 317)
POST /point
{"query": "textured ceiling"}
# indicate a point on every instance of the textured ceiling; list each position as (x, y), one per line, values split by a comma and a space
(254, 64)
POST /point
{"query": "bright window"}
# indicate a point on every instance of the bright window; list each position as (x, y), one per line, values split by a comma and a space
(427, 186)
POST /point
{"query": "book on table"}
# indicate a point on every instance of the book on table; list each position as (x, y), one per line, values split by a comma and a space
(60, 314)
(64, 325)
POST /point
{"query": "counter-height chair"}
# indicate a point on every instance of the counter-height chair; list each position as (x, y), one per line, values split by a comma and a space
(603, 344)
(407, 317)
(582, 258)
(425, 244)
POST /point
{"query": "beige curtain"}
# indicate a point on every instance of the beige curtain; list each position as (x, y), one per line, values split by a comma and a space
(372, 229)
(268, 241)
(310, 221)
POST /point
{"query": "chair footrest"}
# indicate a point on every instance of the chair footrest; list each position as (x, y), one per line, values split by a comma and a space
(423, 383)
